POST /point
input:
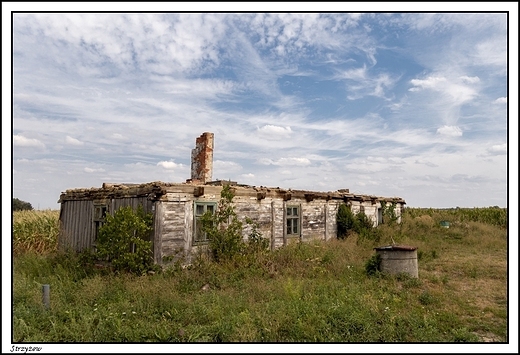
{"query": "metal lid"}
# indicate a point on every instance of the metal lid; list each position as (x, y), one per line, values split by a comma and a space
(396, 247)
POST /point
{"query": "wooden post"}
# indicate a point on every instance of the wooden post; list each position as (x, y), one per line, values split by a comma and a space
(46, 296)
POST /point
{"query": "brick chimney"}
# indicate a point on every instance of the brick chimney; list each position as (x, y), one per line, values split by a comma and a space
(202, 158)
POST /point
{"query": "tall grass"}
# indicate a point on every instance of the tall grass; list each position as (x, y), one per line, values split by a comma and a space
(35, 231)
(305, 292)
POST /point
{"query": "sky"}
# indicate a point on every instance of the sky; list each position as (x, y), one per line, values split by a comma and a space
(413, 105)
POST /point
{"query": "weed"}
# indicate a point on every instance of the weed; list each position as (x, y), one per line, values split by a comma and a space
(373, 265)
(426, 298)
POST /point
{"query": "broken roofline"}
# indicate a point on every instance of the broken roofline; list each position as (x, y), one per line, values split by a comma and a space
(155, 190)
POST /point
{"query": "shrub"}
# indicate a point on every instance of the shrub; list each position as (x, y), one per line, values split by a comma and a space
(389, 214)
(345, 220)
(256, 243)
(362, 222)
(122, 240)
(373, 265)
(223, 228)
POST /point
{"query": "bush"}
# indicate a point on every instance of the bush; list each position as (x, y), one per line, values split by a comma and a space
(345, 220)
(389, 213)
(122, 240)
(225, 232)
(223, 228)
(373, 265)
(256, 243)
(19, 205)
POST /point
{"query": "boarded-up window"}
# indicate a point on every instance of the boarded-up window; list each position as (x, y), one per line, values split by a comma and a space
(100, 212)
(200, 209)
(292, 220)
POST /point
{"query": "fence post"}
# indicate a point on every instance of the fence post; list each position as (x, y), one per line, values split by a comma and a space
(46, 296)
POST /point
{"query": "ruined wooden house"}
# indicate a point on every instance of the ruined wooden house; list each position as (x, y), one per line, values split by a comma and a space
(283, 215)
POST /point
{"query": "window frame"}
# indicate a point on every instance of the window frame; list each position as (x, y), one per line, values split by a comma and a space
(196, 220)
(101, 209)
(296, 220)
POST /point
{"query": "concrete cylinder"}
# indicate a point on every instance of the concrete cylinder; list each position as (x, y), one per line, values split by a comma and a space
(396, 259)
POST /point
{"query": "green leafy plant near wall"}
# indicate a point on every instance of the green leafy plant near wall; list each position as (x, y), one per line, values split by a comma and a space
(348, 222)
(389, 214)
(123, 240)
(225, 231)
(373, 265)
(345, 220)
(223, 228)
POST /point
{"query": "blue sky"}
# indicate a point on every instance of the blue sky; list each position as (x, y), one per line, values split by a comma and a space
(390, 104)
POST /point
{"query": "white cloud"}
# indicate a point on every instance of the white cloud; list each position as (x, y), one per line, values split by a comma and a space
(72, 141)
(169, 165)
(470, 80)
(226, 165)
(426, 162)
(293, 161)
(431, 82)
(21, 141)
(272, 132)
(498, 149)
(90, 170)
(501, 100)
(285, 161)
(452, 131)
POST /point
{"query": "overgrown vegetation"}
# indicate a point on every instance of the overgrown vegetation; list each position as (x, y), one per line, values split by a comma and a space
(225, 231)
(389, 213)
(305, 292)
(124, 240)
(349, 223)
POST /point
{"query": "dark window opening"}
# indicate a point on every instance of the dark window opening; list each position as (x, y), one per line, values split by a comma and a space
(292, 220)
(199, 237)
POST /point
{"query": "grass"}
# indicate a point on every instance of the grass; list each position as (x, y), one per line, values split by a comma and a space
(310, 292)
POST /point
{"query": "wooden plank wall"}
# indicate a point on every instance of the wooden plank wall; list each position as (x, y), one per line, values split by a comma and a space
(76, 224)
(173, 227)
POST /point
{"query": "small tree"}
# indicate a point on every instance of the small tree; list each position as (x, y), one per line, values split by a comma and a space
(122, 240)
(256, 243)
(389, 214)
(223, 228)
(19, 205)
(345, 221)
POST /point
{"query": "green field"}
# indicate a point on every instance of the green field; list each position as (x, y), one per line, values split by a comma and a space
(312, 292)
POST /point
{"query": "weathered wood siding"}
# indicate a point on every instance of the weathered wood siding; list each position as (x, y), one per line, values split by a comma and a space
(77, 230)
(332, 227)
(173, 228)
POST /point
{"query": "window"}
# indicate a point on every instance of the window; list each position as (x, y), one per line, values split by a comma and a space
(292, 219)
(100, 212)
(200, 209)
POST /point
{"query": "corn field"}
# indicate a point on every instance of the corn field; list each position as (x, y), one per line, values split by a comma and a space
(35, 231)
(489, 215)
